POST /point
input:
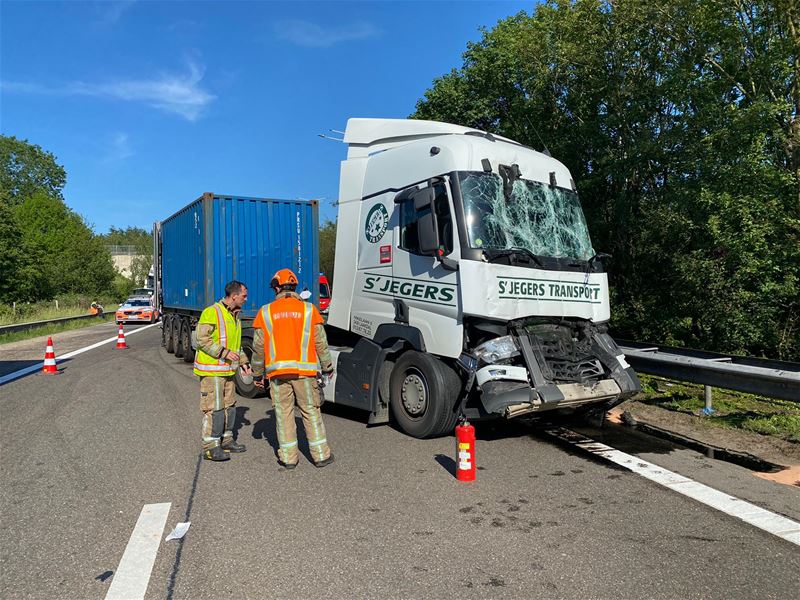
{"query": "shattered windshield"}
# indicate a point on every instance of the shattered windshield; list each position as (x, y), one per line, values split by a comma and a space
(545, 220)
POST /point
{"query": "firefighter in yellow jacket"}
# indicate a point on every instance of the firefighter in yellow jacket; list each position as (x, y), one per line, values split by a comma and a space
(289, 347)
(219, 354)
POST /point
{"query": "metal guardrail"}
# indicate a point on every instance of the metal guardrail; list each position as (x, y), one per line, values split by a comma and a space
(763, 377)
(33, 324)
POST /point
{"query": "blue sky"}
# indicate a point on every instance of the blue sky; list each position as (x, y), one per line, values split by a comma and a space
(148, 104)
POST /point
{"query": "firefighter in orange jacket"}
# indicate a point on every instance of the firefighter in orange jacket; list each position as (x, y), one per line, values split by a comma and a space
(289, 348)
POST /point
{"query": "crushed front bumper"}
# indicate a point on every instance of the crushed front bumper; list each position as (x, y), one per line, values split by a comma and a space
(511, 390)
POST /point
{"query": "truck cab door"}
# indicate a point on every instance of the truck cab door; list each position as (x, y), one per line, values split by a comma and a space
(425, 289)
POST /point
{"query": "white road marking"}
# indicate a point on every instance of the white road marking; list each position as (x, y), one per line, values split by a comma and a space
(749, 513)
(38, 366)
(133, 573)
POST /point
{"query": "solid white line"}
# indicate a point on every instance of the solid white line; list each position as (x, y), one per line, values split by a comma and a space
(38, 366)
(730, 505)
(133, 573)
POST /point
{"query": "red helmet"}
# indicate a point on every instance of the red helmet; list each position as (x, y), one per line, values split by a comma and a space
(284, 277)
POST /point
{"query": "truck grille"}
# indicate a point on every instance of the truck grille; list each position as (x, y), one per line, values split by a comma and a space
(578, 372)
(564, 354)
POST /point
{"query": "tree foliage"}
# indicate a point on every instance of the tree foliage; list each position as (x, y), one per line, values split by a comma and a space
(142, 242)
(45, 248)
(327, 249)
(25, 168)
(130, 236)
(73, 259)
(679, 123)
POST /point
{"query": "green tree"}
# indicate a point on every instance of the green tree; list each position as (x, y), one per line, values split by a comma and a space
(130, 236)
(25, 168)
(327, 249)
(73, 259)
(22, 277)
(142, 242)
(679, 122)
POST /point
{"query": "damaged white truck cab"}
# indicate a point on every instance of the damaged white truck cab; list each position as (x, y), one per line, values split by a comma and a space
(465, 282)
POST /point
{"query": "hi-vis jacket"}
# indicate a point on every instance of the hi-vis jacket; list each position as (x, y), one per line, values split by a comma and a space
(289, 339)
(219, 332)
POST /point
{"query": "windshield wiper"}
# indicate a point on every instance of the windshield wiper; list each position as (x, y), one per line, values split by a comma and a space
(492, 254)
(602, 256)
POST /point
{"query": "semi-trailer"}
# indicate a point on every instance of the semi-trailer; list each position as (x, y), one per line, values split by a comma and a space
(218, 238)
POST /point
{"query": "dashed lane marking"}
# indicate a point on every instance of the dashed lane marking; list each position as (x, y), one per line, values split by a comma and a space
(38, 366)
(749, 513)
(133, 573)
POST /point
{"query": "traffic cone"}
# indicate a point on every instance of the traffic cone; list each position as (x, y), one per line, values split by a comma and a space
(49, 358)
(121, 338)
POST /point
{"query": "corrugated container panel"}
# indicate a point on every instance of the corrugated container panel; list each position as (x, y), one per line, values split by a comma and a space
(183, 258)
(247, 239)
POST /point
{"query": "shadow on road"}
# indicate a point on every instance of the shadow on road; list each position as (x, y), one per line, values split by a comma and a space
(447, 463)
(7, 367)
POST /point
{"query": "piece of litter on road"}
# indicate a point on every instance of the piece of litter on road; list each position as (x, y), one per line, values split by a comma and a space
(179, 531)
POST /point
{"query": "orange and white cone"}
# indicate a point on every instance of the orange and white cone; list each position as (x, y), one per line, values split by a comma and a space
(121, 338)
(49, 358)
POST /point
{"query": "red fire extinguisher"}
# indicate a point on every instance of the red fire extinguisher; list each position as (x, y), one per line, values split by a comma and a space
(465, 451)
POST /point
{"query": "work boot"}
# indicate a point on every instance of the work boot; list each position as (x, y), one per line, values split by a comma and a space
(233, 446)
(216, 454)
(324, 463)
(287, 466)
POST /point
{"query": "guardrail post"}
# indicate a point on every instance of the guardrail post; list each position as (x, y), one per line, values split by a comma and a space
(707, 394)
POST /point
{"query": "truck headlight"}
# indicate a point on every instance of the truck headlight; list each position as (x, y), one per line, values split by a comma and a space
(498, 349)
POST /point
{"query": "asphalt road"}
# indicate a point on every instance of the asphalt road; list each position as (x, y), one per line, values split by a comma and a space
(83, 452)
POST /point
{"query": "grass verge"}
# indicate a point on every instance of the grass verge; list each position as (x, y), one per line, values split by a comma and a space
(52, 329)
(732, 410)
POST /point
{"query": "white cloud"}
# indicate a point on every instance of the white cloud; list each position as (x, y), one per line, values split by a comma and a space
(306, 33)
(111, 12)
(174, 93)
(119, 148)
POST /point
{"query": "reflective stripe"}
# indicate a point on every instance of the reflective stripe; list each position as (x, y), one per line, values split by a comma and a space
(213, 368)
(306, 333)
(289, 445)
(322, 441)
(222, 327)
(217, 393)
(290, 364)
(266, 316)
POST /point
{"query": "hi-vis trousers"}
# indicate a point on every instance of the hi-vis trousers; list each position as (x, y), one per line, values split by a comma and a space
(218, 403)
(285, 392)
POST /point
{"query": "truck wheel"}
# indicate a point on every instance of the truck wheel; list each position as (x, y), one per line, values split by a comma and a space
(423, 394)
(186, 341)
(246, 390)
(170, 339)
(176, 335)
(163, 335)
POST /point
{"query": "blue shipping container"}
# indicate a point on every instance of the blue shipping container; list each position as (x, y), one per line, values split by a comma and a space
(218, 238)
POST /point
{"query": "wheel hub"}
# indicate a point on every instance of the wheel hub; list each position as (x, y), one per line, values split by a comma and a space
(414, 394)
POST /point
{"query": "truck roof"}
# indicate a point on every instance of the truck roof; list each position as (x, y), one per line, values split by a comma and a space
(368, 136)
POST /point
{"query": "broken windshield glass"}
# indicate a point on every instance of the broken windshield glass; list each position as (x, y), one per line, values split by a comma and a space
(545, 220)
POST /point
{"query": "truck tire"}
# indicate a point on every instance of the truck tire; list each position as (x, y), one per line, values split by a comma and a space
(246, 390)
(163, 336)
(423, 393)
(170, 339)
(176, 335)
(186, 341)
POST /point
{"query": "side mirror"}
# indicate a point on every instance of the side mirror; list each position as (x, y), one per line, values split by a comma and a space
(428, 234)
(423, 199)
